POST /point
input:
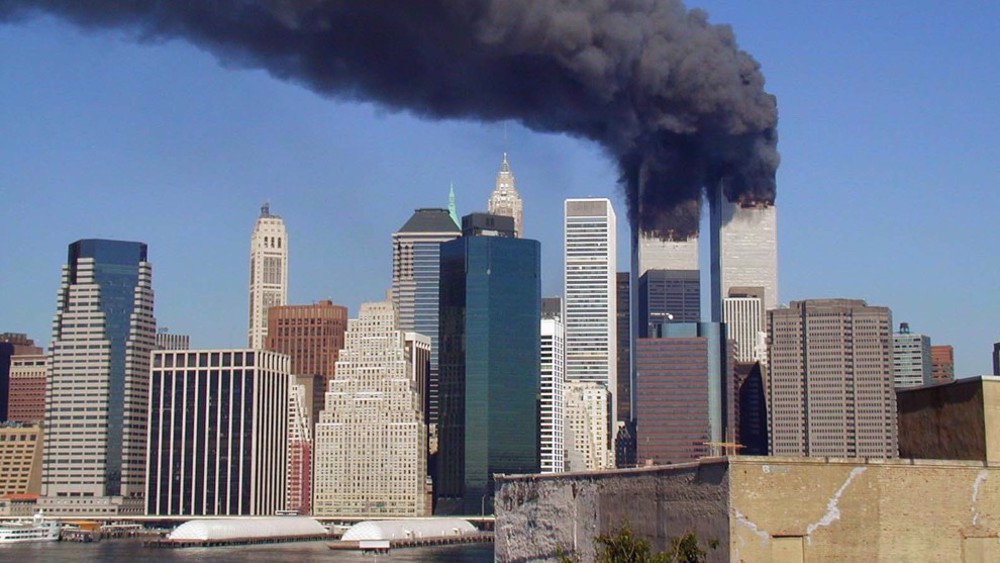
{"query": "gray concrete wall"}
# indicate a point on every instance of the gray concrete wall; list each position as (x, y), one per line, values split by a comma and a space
(539, 515)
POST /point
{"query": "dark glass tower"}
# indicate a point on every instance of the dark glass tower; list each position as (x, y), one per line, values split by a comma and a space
(489, 362)
(103, 334)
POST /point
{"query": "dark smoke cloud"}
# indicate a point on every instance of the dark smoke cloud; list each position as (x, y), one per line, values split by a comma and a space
(670, 97)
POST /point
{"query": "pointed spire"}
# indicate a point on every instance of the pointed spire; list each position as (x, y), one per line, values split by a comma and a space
(505, 167)
(452, 210)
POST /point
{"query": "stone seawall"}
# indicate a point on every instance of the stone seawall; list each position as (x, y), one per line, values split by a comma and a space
(540, 516)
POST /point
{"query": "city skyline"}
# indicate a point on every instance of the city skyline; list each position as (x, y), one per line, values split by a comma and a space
(328, 168)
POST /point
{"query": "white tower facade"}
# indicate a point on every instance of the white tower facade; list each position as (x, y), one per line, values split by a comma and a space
(371, 441)
(96, 399)
(750, 249)
(590, 264)
(268, 272)
(669, 254)
(505, 200)
(588, 408)
(553, 414)
(911, 358)
(743, 312)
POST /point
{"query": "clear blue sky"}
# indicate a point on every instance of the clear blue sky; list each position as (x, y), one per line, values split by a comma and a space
(887, 188)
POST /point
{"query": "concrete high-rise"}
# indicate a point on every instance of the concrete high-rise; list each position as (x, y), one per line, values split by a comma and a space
(416, 259)
(20, 459)
(505, 201)
(654, 253)
(552, 417)
(371, 441)
(588, 427)
(743, 311)
(268, 272)
(28, 379)
(684, 392)
(830, 384)
(911, 358)
(590, 271)
(97, 396)
(166, 340)
(749, 241)
(218, 433)
(11, 344)
(490, 366)
(298, 491)
(942, 363)
(312, 336)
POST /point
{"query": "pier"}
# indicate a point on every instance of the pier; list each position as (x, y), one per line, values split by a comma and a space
(479, 537)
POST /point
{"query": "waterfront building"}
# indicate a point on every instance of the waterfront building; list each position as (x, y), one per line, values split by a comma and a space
(371, 441)
(489, 361)
(743, 313)
(942, 363)
(588, 407)
(590, 272)
(312, 336)
(684, 393)
(505, 200)
(218, 433)
(830, 380)
(166, 340)
(20, 459)
(97, 394)
(911, 358)
(268, 272)
(28, 379)
(552, 414)
(416, 269)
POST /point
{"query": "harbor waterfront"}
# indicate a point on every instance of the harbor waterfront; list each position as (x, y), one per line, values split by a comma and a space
(132, 550)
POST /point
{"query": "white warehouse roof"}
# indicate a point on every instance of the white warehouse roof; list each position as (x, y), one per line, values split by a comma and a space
(252, 527)
(409, 528)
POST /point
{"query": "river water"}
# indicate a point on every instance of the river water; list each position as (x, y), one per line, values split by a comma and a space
(132, 550)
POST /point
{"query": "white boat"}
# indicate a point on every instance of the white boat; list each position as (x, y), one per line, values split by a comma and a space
(29, 530)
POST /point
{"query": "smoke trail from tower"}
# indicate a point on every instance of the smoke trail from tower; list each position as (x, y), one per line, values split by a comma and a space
(669, 96)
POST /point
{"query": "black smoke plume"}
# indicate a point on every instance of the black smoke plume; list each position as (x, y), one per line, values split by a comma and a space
(669, 96)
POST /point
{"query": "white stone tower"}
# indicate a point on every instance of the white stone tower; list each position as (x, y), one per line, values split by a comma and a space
(505, 200)
(268, 272)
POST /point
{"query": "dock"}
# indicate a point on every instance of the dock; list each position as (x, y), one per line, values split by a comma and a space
(480, 537)
(227, 542)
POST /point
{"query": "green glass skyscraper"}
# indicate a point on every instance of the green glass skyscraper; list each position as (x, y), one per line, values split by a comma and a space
(489, 361)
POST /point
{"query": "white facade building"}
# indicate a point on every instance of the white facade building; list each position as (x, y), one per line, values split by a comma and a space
(656, 254)
(268, 272)
(588, 444)
(750, 249)
(218, 433)
(744, 318)
(590, 264)
(96, 400)
(911, 358)
(371, 441)
(553, 414)
(505, 200)
(300, 449)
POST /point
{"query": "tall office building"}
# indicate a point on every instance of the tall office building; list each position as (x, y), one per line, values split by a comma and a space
(751, 408)
(312, 335)
(11, 344)
(371, 442)
(668, 296)
(684, 392)
(911, 358)
(268, 272)
(505, 201)
(830, 384)
(666, 254)
(743, 313)
(416, 257)
(298, 495)
(749, 241)
(553, 381)
(218, 433)
(590, 268)
(490, 366)
(942, 363)
(166, 340)
(588, 432)
(623, 316)
(996, 358)
(96, 401)
(28, 379)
